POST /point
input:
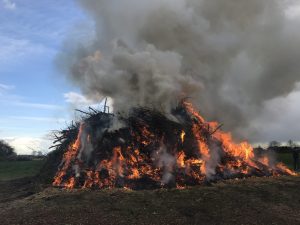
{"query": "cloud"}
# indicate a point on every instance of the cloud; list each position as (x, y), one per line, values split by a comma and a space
(279, 120)
(4, 90)
(14, 49)
(37, 105)
(25, 145)
(39, 119)
(17, 100)
(8, 4)
(77, 99)
(5, 87)
(293, 11)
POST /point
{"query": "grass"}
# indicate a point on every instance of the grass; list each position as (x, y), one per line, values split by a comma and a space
(273, 200)
(10, 170)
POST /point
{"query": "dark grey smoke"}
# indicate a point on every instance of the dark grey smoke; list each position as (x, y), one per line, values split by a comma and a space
(230, 56)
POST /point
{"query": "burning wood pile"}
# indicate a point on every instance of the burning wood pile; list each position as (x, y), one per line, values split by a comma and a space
(153, 150)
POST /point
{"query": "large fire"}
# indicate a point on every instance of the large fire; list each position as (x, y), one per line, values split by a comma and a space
(152, 151)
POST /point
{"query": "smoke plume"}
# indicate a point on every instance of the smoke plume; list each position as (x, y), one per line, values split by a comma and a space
(229, 56)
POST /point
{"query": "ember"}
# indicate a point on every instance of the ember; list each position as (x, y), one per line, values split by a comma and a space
(151, 151)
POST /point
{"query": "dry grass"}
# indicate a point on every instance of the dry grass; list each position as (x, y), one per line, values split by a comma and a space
(252, 201)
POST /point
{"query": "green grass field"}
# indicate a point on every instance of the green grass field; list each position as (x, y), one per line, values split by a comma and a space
(18, 169)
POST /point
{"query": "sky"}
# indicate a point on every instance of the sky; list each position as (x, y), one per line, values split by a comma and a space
(36, 99)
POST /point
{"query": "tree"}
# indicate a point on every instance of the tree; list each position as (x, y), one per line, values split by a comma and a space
(274, 144)
(6, 151)
(291, 144)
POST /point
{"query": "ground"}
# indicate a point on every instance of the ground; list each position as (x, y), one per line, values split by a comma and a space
(10, 170)
(273, 200)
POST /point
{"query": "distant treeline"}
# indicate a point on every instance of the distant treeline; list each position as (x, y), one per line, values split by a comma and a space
(7, 153)
(278, 149)
(284, 149)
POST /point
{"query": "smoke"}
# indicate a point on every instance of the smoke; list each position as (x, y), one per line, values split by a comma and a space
(213, 161)
(230, 57)
(86, 147)
(166, 162)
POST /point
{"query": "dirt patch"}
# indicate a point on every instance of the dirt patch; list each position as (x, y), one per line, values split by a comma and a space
(273, 200)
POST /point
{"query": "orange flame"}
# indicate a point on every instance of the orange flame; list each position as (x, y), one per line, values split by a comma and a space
(68, 158)
(132, 163)
(182, 135)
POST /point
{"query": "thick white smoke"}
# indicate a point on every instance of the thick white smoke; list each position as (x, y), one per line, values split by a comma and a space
(230, 56)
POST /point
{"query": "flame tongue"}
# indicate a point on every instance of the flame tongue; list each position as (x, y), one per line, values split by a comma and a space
(155, 151)
(68, 159)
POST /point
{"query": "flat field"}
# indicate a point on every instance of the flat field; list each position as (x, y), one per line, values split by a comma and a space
(267, 200)
(273, 200)
(10, 170)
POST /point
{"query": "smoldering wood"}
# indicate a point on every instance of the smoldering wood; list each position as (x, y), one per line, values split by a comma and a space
(87, 113)
(218, 128)
(130, 137)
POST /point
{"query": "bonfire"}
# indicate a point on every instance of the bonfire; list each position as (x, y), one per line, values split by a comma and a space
(153, 150)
